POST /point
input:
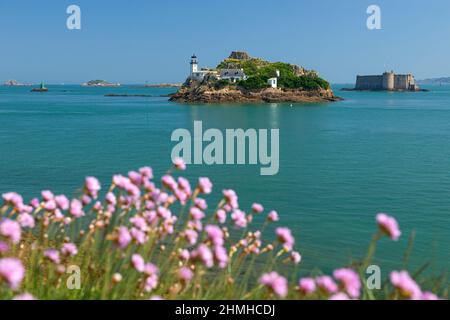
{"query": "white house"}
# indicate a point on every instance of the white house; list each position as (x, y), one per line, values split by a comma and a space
(273, 82)
(232, 74)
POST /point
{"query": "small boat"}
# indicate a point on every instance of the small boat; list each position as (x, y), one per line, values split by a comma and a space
(42, 88)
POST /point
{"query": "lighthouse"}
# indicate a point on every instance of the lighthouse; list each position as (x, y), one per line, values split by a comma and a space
(194, 65)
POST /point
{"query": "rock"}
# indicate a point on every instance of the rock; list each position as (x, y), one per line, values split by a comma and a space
(239, 55)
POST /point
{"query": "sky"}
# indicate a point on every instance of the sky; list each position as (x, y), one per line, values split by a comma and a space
(137, 41)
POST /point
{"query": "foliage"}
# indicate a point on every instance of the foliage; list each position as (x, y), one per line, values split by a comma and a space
(132, 245)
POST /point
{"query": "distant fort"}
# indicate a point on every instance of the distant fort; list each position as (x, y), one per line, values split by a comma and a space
(387, 81)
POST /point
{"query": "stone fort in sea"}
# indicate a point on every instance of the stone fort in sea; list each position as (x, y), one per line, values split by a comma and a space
(387, 81)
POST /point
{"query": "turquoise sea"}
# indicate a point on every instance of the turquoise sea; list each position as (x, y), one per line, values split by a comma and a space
(340, 163)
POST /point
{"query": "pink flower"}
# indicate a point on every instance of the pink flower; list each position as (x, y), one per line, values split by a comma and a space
(350, 281)
(275, 283)
(221, 256)
(92, 186)
(339, 296)
(26, 220)
(12, 271)
(201, 203)
(52, 255)
(139, 222)
(429, 296)
(307, 285)
(138, 262)
(179, 164)
(388, 225)
(150, 269)
(146, 172)
(205, 185)
(184, 255)
(3, 247)
(215, 235)
(111, 198)
(239, 218)
(151, 282)
(405, 285)
(123, 237)
(50, 205)
(196, 213)
(11, 230)
(76, 208)
(13, 198)
(221, 216)
(204, 254)
(327, 284)
(295, 257)
(285, 237)
(138, 235)
(62, 202)
(69, 249)
(191, 236)
(135, 177)
(47, 195)
(34, 202)
(231, 198)
(273, 216)
(24, 296)
(257, 208)
(185, 274)
(169, 182)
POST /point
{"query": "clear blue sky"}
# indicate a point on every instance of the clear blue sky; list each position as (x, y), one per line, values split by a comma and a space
(136, 41)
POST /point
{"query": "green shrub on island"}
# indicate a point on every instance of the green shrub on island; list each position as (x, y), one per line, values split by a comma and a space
(259, 72)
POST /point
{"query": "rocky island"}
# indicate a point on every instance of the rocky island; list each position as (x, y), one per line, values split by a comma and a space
(99, 83)
(241, 78)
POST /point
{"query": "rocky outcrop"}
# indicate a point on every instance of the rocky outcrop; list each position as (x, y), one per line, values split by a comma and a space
(239, 55)
(208, 94)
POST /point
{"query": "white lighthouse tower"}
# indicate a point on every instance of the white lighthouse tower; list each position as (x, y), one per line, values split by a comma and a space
(194, 65)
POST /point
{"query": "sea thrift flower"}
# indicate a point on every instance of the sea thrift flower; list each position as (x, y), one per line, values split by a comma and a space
(146, 172)
(24, 296)
(34, 202)
(275, 283)
(339, 296)
(47, 195)
(185, 274)
(231, 198)
(405, 285)
(50, 205)
(92, 186)
(273, 216)
(257, 208)
(11, 230)
(184, 254)
(26, 220)
(52, 255)
(12, 271)
(221, 256)
(307, 285)
(221, 216)
(388, 225)
(3, 247)
(196, 213)
(138, 262)
(135, 177)
(239, 218)
(123, 237)
(179, 164)
(76, 208)
(285, 237)
(215, 235)
(151, 282)
(69, 249)
(62, 202)
(201, 203)
(350, 281)
(295, 257)
(429, 296)
(138, 235)
(169, 182)
(13, 198)
(204, 254)
(205, 185)
(327, 284)
(111, 198)
(191, 236)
